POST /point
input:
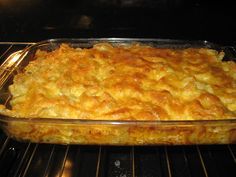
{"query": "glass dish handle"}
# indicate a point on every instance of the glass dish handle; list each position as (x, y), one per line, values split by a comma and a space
(9, 65)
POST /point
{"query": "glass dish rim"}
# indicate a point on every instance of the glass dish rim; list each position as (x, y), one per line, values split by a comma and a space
(5, 118)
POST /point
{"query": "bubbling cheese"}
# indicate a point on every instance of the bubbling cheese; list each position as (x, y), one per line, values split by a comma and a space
(133, 82)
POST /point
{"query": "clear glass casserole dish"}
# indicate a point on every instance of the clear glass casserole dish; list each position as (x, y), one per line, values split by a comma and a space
(108, 132)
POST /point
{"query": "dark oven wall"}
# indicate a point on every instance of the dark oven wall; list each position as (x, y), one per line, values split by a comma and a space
(28, 21)
(175, 19)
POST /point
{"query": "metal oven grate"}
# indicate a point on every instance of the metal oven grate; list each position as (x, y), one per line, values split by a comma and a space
(48, 160)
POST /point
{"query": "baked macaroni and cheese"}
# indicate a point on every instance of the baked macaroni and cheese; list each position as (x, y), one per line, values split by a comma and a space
(125, 82)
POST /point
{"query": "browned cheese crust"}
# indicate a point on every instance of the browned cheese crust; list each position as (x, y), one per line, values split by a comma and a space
(132, 82)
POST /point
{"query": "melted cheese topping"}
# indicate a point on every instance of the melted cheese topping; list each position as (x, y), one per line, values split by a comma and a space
(126, 83)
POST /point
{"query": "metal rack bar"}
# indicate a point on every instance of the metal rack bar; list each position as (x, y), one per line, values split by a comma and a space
(232, 154)
(202, 162)
(2, 54)
(168, 162)
(29, 162)
(49, 162)
(98, 162)
(4, 145)
(22, 160)
(60, 171)
(133, 162)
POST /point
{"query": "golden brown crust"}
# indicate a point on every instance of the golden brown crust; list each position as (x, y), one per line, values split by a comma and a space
(126, 83)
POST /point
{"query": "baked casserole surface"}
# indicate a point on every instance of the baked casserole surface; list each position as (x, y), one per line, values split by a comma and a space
(125, 82)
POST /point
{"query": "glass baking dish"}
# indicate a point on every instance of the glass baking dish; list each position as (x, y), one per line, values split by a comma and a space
(108, 132)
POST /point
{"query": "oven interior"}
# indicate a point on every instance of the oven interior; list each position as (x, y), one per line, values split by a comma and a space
(167, 19)
(23, 22)
(24, 159)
